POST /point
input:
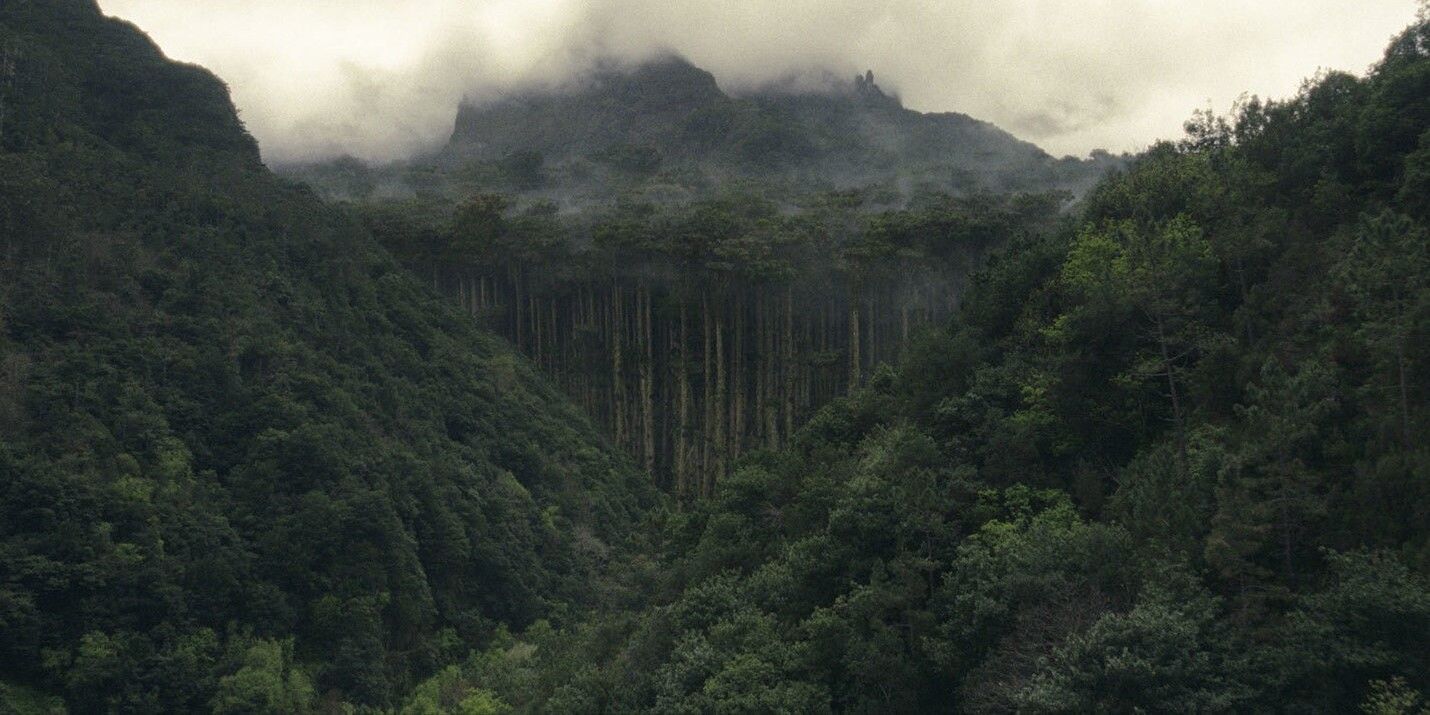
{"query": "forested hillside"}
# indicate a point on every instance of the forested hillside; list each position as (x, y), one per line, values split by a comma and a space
(247, 462)
(1170, 457)
(693, 334)
(928, 450)
(702, 272)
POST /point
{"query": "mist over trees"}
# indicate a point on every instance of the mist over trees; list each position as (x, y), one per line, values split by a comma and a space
(697, 333)
(664, 132)
(775, 445)
(1165, 455)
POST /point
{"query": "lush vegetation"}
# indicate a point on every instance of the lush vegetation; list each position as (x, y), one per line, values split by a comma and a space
(246, 460)
(695, 333)
(1167, 452)
(1169, 458)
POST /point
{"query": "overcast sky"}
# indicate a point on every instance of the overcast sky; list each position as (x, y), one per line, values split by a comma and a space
(381, 79)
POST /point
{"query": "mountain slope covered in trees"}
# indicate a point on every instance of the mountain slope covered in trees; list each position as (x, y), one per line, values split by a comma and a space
(695, 333)
(701, 272)
(1165, 454)
(247, 462)
(1169, 458)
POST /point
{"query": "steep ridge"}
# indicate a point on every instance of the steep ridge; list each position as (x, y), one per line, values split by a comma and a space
(245, 458)
(664, 130)
(652, 105)
(671, 112)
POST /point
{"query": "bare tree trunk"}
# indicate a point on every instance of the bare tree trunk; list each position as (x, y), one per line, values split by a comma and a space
(791, 374)
(737, 384)
(722, 393)
(554, 330)
(682, 446)
(618, 389)
(534, 310)
(707, 394)
(762, 358)
(769, 356)
(871, 332)
(855, 361)
(647, 386)
(516, 303)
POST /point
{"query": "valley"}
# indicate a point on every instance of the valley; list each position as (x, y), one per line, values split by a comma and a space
(638, 395)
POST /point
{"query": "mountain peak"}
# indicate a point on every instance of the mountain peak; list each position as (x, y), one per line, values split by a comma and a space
(667, 81)
(675, 116)
(864, 84)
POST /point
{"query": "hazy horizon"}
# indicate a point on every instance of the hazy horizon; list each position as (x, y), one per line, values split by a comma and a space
(381, 79)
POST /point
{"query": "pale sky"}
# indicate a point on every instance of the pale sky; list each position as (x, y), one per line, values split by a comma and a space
(381, 79)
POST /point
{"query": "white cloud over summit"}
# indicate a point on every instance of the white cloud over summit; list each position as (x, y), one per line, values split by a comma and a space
(381, 79)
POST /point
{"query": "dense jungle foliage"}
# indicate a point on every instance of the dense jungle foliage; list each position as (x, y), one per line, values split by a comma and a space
(1167, 453)
(1169, 458)
(246, 458)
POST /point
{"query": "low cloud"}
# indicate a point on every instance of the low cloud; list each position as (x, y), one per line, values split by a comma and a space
(381, 79)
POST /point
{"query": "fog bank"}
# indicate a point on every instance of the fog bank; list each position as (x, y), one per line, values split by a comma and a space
(381, 79)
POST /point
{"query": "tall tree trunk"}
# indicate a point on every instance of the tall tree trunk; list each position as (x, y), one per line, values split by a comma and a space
(871, 332)
(682, 437)
(553, 329)
(707, 394)
(722, 397)
(769, 357)
(618, 390)
(762, 355)
(516, 303)
(855, 362)
(534, 310)
(737, 383)
(647, 386)
(791, 372)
